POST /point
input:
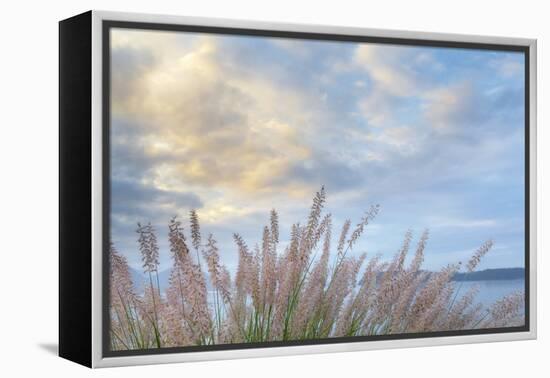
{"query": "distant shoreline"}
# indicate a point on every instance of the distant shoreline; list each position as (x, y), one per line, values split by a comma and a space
(500, 274)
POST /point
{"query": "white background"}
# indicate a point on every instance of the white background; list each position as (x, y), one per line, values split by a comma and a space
(28, 185)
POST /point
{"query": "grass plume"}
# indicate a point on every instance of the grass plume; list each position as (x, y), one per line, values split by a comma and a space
(294, 293)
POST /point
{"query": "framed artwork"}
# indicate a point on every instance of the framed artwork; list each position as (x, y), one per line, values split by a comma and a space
(233, 189)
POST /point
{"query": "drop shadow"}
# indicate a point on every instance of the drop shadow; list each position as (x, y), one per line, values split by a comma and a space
(51, 348)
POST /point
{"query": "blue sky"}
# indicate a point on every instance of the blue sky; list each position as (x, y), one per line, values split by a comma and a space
(234, 126)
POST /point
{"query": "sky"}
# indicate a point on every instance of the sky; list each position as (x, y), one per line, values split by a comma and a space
(234, 126)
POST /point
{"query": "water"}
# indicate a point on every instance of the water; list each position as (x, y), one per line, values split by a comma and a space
(488, 291)
(491, 291)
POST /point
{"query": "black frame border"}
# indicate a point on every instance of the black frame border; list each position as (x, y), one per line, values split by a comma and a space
(107, 25)
(75, 189)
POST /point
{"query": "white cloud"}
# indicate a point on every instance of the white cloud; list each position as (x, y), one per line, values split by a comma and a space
(213, 126)
(508, 65)
(454, 223)
(388, 66)
(444, 107)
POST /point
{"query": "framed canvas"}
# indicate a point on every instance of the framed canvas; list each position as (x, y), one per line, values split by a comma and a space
(235, 189)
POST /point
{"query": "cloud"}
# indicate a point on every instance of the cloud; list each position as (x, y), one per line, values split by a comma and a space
(212, 126)
(447, 108)
(457, 223)
(509, 65)
(413, 105)
(127, 63)
(378, 108)
(463, 108)
(134, 202)
(388, 67)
